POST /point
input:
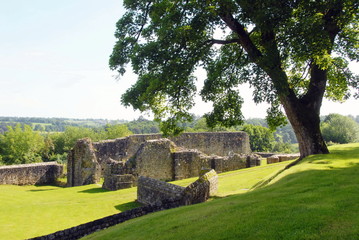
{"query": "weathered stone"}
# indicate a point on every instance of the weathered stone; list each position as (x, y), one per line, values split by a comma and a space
(30, 174)
(155, 192)
(83, 167)
(253, 160)
(281, 158)
(116, 176)
(200, 190)
(152, 156)
(188, 163)
(115, 182)
(154, 159)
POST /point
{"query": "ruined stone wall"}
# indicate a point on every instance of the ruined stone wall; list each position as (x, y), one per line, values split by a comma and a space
(151, 156)
(154, 159)
(155, 192)
(30, 174)
(82, 165)
(200, 190)
(121, 148)
(216, 143)
(281, 158)
(117, 176)
(188, 163)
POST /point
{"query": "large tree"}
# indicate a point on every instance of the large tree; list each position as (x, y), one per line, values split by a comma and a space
(291, 52)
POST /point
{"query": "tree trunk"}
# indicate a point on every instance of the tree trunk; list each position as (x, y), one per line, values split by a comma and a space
(306, 124)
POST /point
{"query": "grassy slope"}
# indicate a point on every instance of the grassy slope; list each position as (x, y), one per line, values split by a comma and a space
(29, 211)
(316, 199)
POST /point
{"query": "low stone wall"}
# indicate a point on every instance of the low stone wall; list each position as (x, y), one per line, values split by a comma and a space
(200, 190)
(103, 223)
(281, 158)
(154, 192)
(30, 174)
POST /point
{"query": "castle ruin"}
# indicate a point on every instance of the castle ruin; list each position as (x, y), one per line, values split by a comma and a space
(122, 161)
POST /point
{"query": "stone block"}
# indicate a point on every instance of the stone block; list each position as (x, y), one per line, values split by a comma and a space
(154, 159)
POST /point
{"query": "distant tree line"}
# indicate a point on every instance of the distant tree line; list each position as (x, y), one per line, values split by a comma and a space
(25, 143)
(53, 124)
(21, 144)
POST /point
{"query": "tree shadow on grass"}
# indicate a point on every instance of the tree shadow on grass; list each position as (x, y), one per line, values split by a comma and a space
(94, 190)
(40, 190)
(127, 206)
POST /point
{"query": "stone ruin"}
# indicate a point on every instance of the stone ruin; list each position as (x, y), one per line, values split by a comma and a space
(155, 192)
(122, 161)
(30, 174)
(275, 158)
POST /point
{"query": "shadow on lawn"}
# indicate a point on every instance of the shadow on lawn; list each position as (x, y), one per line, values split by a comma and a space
(127, 206)
(40, 190)
(94, 190)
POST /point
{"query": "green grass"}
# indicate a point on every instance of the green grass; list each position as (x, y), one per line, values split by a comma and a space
(29, 211)
(316, 199)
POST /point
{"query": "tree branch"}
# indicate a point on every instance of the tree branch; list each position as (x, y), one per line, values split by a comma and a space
(243, 36)
(218, 41)
(144, 20)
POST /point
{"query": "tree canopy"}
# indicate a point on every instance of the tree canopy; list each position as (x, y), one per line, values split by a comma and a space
(340, 129)
(292, 53)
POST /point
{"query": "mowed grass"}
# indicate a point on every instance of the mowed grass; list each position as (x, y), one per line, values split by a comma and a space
(316, 199)
(29, 211)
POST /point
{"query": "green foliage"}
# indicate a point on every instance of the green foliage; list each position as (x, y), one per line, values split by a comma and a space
(340, 129)
(275, 46)
(21, 145)
(142, 126)
(116, 131)
(260, 138)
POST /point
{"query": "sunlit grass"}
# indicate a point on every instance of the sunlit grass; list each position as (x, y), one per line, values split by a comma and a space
(316, 199)
(29, 211)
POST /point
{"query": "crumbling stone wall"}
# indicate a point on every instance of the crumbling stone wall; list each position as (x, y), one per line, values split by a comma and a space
(118, 176)
(154, 159)
(216, 143)
(281, 158)
(152, 156)
(30, 174)
(155, 192)
(82, 165)
(188, 163)
(200, 190)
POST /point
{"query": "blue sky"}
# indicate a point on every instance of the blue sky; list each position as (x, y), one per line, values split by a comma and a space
(54, 62)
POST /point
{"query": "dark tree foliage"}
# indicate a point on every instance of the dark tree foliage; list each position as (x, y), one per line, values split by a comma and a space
(292, 52)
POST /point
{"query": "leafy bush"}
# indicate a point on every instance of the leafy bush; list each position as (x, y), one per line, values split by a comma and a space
(21, 145)
(260, 138)
(340, 129)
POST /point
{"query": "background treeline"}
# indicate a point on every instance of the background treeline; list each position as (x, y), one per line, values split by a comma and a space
(26, 140)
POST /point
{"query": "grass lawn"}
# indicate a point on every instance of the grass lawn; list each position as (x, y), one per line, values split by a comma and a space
(316, 199)
(29, 211)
